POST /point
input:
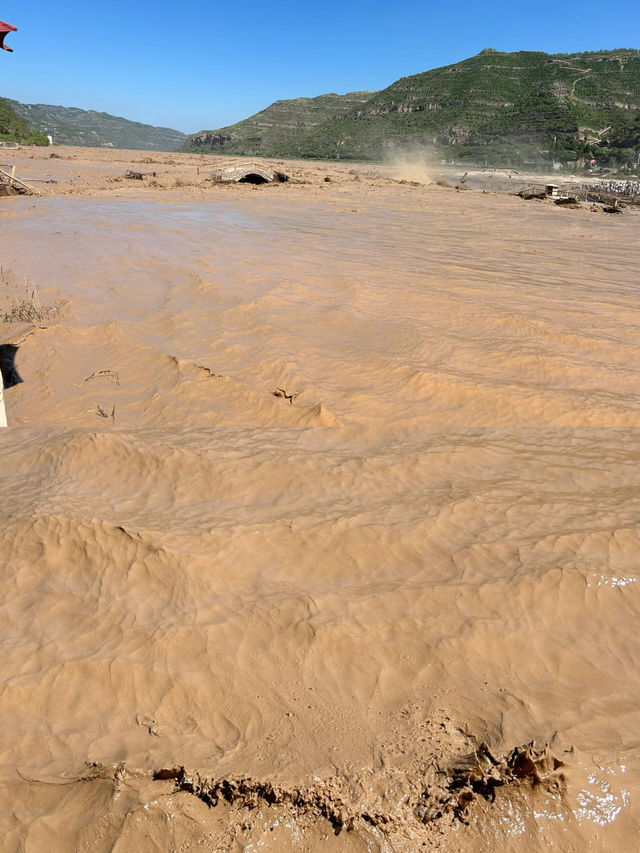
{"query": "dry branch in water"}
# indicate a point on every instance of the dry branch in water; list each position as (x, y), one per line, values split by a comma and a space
(25, 304)
(112, 375)
(103, 413)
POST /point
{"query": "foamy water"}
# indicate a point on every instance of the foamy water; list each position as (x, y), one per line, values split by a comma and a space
(321, 496)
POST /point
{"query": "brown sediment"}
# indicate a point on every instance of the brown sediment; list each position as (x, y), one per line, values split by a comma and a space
(317, 498)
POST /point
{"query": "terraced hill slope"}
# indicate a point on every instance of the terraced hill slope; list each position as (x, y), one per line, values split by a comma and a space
(275, 131)
(497, 107)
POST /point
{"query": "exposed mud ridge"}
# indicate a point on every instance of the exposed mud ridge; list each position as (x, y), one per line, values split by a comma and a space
(349, 804)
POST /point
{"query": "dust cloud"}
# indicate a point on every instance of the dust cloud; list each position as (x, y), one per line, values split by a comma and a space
(319, 517)
(418, 163)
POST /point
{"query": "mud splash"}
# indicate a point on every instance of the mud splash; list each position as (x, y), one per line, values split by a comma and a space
(448, 791)
(371, 809)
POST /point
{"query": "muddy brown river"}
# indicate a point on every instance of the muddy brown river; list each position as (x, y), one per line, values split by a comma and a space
(319, 522)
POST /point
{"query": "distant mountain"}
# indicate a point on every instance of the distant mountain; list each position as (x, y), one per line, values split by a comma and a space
(276, 130)
(73, 126)
(494, 107)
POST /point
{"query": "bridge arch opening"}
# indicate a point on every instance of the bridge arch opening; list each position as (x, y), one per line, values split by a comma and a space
(253, 178)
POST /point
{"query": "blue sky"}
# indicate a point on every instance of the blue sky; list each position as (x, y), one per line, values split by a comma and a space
(194, 65)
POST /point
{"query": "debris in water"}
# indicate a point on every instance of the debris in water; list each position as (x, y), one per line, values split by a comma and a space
(280, 392)
(139, 176)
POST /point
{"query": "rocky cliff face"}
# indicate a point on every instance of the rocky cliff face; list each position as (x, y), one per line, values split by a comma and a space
(209, 140)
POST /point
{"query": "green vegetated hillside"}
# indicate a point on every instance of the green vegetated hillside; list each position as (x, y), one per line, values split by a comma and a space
(73, 126)
(495, 108)
(13, 128)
